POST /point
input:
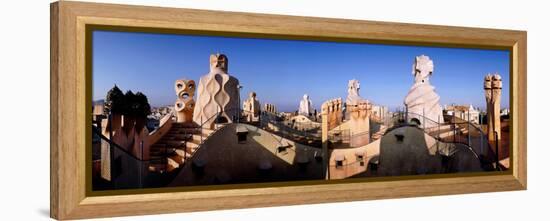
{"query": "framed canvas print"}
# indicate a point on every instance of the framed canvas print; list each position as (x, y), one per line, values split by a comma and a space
(158, 110)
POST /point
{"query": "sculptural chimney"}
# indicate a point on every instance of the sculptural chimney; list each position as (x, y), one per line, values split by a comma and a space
(185, 103)
(422, 102)
(493, 91)
(218, 95)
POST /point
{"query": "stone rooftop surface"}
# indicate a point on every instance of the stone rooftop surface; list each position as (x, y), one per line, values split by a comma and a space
(247, 162)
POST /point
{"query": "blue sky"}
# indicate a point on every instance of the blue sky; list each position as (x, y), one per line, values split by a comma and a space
(281, 71)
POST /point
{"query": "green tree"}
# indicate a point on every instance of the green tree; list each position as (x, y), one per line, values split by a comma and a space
(142, 109)
(115, 101)
(130, 104)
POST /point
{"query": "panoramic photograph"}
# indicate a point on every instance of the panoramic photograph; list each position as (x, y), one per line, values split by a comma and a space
(175, 110)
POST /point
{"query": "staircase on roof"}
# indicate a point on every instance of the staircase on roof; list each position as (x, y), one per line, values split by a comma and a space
(177, 146)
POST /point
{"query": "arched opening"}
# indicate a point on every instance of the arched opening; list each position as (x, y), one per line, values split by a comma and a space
(373, 164)
(184, 95)
(221, 120)
(415, 121)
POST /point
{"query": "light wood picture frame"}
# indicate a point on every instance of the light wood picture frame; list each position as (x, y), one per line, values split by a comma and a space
(70, 196)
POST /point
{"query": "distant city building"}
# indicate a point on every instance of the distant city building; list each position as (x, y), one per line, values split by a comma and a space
(306, 107)
(464, 112)
(504, 112)
(159, 112)
(381, 113)
(98, 109)
(270, 108)
(286, 115)
(251, 108)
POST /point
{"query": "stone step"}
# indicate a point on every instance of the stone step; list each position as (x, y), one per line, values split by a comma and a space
(445, 134)
(196, 138)
(175, 137)
(177, 158)
(183, 154)
(194, 130)
(179, 133)
(171, 165)
(207, 132)
(192, 145)
(184, 130)
(157, 167)
(184, 125)
(187, 134)
(435, 129)
(449, 132)
(167, 141)
(178, 136)
(175, 143)
(154, 151)
(190, 130)
(166, 150)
